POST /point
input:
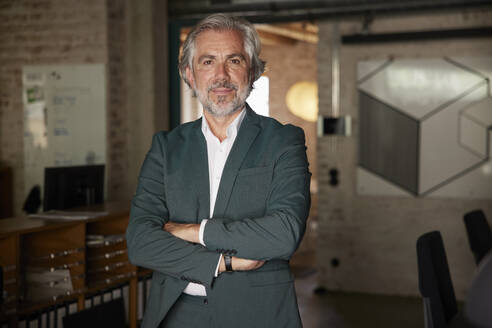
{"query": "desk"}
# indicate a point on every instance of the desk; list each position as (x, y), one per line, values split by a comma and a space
(26, 242)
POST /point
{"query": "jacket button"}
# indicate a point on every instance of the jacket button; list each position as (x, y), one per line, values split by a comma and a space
(205, 301)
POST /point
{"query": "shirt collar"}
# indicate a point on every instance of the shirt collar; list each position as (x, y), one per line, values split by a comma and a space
(231, 129)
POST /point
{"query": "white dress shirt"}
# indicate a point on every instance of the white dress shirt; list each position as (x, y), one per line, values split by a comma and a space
(217, 153)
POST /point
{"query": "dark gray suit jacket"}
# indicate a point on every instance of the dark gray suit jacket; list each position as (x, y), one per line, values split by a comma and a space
(260, 213)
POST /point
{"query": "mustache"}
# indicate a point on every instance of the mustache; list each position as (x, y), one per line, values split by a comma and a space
(223, 84)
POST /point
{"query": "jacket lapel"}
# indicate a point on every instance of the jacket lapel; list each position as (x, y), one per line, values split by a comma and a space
(246, 135)
(199, 169)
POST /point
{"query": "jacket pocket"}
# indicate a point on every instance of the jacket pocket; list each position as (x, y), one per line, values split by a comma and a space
(254, 170)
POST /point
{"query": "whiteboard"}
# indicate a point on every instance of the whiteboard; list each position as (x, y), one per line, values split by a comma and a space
(64, 118)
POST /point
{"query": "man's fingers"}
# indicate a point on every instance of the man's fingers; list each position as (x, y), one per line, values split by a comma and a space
(259, 264)
(240, 264)
(170, 226)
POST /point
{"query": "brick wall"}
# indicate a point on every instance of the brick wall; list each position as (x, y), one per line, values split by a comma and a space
(286, 65)
(36, 32)
(118, 33)
(374, 237)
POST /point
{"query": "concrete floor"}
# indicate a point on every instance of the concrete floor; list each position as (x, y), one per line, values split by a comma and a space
(350, 310)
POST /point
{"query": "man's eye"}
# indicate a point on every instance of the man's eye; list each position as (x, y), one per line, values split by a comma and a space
(207, 62)
(235, 61)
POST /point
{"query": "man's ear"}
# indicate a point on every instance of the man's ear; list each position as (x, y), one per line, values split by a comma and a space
(190, 77)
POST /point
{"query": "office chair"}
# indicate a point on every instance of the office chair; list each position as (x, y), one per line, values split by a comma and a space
(33, 200)
(479, 298)
(435, 283)
(479, 234)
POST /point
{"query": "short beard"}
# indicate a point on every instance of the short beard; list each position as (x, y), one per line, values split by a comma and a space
(236, 104)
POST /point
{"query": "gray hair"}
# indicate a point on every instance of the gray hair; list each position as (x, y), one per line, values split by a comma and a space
(217, 22)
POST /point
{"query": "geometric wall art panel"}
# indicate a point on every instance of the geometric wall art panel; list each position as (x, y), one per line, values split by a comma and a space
(425, 127)
(390, 152)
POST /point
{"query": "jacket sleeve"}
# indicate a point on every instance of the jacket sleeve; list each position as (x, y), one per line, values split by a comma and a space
(151, 247)
(277, 234)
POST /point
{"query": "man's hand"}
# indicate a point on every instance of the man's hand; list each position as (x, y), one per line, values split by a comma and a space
(240, 264)
(185, 231)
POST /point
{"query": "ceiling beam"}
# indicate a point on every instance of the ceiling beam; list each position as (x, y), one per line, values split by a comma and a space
(287, 31)
(284, 10)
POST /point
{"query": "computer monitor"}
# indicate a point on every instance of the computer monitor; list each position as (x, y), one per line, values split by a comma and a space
(73, 186)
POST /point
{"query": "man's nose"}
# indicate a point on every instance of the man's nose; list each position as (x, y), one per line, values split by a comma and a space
(221, 71)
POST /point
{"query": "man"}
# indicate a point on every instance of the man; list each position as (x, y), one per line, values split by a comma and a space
(222, 202)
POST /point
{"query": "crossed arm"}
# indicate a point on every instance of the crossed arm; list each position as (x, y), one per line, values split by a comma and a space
(190, 232)
(275, 235)
(171, 248)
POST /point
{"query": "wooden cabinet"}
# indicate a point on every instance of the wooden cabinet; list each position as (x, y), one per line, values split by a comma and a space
(47, 263)
(9, 261)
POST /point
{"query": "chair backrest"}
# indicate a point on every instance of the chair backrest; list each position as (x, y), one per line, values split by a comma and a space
(1, 285)
(6, 192)
(479, 233)
(435, 282)
(108, 314)
(479, 297)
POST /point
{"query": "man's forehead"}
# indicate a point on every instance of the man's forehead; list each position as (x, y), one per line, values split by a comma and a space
(220, 40)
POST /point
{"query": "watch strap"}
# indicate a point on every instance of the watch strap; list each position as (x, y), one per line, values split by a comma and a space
(228, 263)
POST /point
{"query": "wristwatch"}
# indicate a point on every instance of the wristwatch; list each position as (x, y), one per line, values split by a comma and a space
(228, 263)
